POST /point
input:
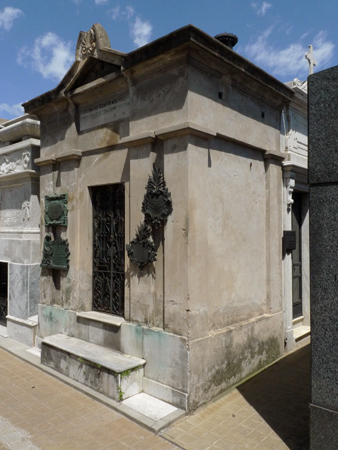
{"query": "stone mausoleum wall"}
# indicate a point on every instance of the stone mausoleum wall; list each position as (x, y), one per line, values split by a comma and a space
(208, 312)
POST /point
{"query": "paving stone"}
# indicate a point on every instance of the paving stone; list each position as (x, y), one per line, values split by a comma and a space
(52, 415)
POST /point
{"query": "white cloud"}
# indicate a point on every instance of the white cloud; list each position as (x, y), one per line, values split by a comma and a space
(121, 14)
(100, 2)
(7, 17)
(13, 110)
(289, 61)
(140, 30)
(261, 10)
(115, 13)
(323, 50)
(50, 56)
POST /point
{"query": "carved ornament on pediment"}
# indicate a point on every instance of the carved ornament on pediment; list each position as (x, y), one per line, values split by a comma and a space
(300, 84)
(91, 41)
(88, 43)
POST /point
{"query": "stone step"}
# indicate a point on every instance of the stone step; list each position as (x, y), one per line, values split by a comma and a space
(115, 374)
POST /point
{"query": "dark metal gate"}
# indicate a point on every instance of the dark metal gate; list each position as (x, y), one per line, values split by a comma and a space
(3, 291)
(108, 248)
(297, 256)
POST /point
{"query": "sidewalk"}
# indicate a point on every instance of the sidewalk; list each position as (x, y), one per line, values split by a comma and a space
(270, 411)
(38, 411)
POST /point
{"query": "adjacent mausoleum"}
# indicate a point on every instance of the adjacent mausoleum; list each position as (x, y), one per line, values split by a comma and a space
(19, 227)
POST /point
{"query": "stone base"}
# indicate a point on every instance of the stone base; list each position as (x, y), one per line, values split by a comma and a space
(184, 375)
(289, 341)
(227, 357)
(22, 330)
(166, 354)
(166, 393)
(323, 428)
(112, 373)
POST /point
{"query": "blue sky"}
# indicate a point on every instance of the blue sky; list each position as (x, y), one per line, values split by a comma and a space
(38, 37)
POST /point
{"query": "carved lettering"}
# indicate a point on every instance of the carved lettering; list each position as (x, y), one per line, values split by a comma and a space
(105, 112)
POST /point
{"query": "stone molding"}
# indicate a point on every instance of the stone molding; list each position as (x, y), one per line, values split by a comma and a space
(17, 131)
(64, 156)
(20, 146)
(24, 175)
(45, 161)
(148, 137)
(274, 154)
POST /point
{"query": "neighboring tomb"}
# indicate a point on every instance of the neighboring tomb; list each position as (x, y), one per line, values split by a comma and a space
(200, 301)
(296, 278)
(19, 227)
(323, 178)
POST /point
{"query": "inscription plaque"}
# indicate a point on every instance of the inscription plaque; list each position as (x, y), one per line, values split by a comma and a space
(55, 253)
(106, 111)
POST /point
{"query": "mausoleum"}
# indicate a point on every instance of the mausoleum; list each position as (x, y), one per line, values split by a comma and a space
(19, 227)
(162, 250)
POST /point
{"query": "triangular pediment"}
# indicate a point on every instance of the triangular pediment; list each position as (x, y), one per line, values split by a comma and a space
(94, 59)
(90, 70)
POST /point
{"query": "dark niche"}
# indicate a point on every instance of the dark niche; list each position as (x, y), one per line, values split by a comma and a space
(55, 254)
(141, 249)
(157, 203)
(56, 210)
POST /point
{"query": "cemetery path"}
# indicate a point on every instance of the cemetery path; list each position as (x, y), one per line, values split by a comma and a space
(37, 411)
(270, 411)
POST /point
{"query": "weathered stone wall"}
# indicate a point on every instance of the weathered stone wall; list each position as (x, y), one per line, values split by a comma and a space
(207, 313)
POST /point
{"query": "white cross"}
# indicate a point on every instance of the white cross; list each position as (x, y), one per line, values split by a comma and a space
(311, 60)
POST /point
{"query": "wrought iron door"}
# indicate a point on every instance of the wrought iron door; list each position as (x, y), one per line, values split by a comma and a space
(3, 291)
(297, 256)
(108, 248)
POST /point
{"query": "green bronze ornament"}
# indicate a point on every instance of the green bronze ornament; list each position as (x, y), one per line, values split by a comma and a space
(157, 203)
(141, 249)
(56, 210)
(55, 254)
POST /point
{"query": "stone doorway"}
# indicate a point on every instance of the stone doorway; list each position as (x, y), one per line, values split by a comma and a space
(108, 248)
(3, 292)
(297, 307)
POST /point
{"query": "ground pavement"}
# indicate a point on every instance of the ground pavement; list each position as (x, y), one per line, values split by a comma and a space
(270, 411)
(38, 411)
